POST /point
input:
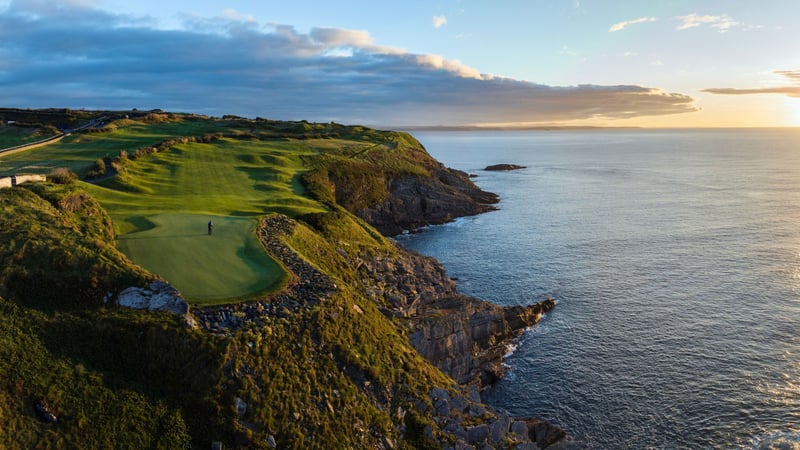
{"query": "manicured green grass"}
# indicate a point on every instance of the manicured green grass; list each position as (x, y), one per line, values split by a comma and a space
(158, 200)
(206, 268)
(161, 205)
(77, 152)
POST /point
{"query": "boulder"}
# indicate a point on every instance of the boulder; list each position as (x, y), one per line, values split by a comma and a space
(545, 433)
(159, 296)
(500, 167)
(44, 412)
(478, 434)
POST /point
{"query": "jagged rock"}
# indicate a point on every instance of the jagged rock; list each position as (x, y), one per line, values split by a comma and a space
(544, 433)
(527, 446)
(463, 336)
(519, 431)
(44, 412)
(478, 434)
(240, 406)
(499, 429)
(461, 445)
(497, 167)
(415, 201)
(160, 296)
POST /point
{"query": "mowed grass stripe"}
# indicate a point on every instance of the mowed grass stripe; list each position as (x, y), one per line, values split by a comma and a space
(208, 269)
(161, 206)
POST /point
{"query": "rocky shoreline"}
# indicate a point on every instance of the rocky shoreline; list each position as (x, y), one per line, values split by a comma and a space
(463, 336)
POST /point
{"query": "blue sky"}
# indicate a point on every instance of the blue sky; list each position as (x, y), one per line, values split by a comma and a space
(448, 62)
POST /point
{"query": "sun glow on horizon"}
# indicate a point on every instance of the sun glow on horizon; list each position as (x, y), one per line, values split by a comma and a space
(793, 104)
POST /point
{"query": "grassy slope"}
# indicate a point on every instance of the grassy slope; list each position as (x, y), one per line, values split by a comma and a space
(332, 376)
(110, 375)
(11, 136)
(178, 191)
(78, 151)
(161, 203)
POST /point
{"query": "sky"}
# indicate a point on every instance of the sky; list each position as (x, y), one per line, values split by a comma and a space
(660, 63)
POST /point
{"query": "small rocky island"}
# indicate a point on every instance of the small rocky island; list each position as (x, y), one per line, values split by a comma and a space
(504, 167)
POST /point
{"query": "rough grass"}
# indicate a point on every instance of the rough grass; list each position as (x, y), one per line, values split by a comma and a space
(11, 136)
(158, 200)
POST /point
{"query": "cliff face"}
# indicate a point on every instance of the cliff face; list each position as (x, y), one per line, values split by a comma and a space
(396, 185)
(415, 201)
(463, 336)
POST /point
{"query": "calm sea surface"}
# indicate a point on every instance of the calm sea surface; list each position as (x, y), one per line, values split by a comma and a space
(675, 260)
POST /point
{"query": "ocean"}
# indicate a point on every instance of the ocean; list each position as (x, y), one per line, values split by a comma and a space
(674, 256)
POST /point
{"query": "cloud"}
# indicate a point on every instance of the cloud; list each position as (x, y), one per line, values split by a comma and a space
(439, 21)
(73, 55)
(722, 24)
(791, 91)
(619, 26)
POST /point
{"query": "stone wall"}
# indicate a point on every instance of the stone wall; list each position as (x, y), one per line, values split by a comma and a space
(30, 178)
(6, 182)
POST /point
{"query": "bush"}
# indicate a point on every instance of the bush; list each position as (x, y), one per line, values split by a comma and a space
(98, 169)
(62, 175)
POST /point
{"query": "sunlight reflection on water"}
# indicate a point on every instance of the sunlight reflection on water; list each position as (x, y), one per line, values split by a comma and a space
(675, 257)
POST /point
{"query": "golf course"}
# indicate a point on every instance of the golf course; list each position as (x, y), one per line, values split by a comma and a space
(161, 203)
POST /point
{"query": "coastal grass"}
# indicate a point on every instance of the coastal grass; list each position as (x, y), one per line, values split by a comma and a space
(161, 201)
(78, 151)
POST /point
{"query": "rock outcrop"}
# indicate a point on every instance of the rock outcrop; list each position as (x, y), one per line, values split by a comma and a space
(159, 296)
(504, 167)
(414, 201)
(463, 336)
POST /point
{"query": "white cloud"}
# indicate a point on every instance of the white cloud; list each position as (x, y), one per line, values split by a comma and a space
(337, 37)
(235, 16)
(722, 23)
(439, 21)
(115, 62)
(619, 26)
(792, 76)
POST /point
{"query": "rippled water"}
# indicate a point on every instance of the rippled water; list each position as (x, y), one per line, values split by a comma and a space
(675, 260)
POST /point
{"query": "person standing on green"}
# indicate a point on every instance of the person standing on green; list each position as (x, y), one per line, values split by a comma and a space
(210, 227)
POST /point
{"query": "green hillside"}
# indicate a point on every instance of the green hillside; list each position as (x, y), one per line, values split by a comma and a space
(305, 351)
(118, 378)
(175, 173)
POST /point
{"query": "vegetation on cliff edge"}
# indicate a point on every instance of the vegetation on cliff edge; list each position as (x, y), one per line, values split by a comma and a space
(336, 374)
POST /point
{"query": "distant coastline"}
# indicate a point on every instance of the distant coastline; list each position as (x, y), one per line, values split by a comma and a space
(502, 128)
(413, 128)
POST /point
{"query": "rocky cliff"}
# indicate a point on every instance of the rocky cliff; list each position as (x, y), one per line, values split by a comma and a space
(465, 337)
(396, 185)
(415, 201)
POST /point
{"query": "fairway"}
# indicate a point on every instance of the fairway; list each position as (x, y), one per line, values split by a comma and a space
(161, 205)
(229, 264)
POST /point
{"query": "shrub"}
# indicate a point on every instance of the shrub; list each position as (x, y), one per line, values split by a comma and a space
(62, 175)
(98, 169)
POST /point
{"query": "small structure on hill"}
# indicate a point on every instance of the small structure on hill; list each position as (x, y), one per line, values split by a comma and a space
(13, 180)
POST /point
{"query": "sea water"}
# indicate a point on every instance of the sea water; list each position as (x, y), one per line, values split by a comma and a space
(675, 260)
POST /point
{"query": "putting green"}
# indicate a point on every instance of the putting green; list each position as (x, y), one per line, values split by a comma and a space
(162, 203)
(208, 269)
